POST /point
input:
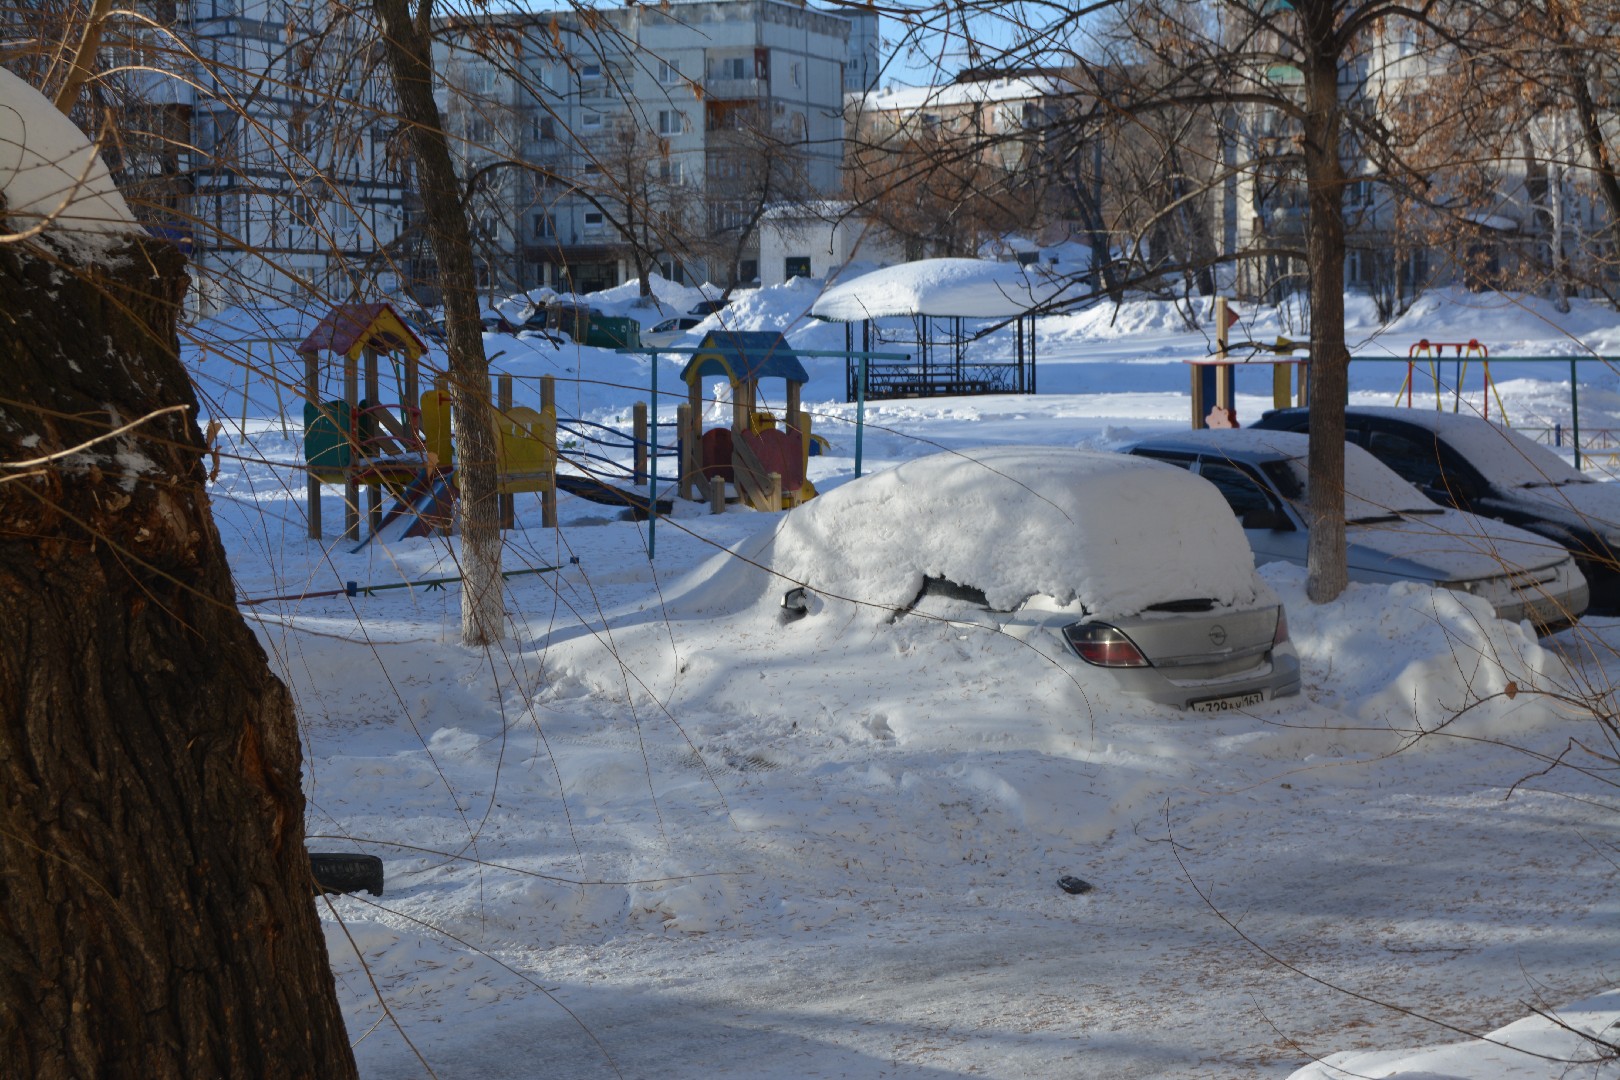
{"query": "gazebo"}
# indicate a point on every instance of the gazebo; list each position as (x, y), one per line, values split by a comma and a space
(953, 290)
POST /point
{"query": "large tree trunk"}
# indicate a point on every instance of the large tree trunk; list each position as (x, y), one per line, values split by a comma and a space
(409, 49)
(156, 909)
(1327, 574)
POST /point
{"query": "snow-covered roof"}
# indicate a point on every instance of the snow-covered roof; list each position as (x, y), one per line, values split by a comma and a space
(970, 288)
(977, 92)
(50, 171)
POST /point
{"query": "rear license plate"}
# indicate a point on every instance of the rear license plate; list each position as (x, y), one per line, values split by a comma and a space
(1228, 704)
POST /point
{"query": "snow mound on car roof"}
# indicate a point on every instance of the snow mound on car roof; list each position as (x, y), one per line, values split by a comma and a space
(1118, 534)
(1504, 456)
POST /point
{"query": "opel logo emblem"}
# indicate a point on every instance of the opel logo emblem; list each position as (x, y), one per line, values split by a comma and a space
(1217, 635)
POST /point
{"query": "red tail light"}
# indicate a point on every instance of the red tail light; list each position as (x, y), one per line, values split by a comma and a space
(1103, 645)
(1281, 636)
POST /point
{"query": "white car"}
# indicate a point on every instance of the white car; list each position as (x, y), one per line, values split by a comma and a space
(670, 331)
(1131, 572)
(1393, 533)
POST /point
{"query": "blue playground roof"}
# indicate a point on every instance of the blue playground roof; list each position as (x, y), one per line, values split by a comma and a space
(745, 354)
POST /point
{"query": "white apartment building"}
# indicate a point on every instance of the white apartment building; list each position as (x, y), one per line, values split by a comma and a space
(647, 134)
(252, 133)
(293, 189)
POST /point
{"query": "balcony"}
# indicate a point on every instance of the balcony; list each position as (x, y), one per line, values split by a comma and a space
(721, 87)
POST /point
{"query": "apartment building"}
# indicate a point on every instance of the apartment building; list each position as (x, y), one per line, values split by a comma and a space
(644, 138)
(945, 168)
(1506, 200)
(297, 189)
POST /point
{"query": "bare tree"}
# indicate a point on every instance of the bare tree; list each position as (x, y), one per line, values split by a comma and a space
(407, 41)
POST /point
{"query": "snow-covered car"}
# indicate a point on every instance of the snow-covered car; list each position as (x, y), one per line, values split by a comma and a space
(1471, 464)
(1108, 564)
(1392, 532)
(670, 331)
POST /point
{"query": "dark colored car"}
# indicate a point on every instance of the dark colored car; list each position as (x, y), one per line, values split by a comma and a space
(708, 307)
(1474, 465)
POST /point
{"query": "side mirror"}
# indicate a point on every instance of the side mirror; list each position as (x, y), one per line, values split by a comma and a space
(1269, 519)
(795, 604)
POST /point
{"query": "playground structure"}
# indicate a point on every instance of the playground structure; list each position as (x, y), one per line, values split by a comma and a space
(1464, 351)
(1214, 392)
(764, 464)
(404, 448)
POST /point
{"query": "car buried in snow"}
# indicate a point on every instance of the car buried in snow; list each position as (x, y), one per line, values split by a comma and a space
(1132, 573)
(1392, 532)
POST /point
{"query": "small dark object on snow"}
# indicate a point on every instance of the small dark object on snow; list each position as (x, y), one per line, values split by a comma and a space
(346, 872)
(1073, 885)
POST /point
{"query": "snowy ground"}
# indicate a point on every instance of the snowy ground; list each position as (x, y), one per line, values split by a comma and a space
(646, 838)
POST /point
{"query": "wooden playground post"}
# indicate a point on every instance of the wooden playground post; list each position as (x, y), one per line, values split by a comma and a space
(742, 406)
(373, 488)
(717, 495)
(687, 465)
(1224, 398)
(312, 394)
(548, 408)
(351, 487)
(773, 490)
(638, 425)
(508, 504)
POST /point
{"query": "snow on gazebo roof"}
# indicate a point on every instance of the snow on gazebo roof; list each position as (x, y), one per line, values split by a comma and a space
(970, 288)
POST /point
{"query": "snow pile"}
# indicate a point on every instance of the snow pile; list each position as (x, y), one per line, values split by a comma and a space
(49, 172)
(1407, 660)
(1563, 1043)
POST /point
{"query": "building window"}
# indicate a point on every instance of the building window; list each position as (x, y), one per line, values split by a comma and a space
(798, 266)
(669, 72)
(590, 71)
(593, 221)
(590, 120)
(748, 270)
(735, 67)
(671, 172)
(544, 226)
(797, 71)
(671, 122)
(542, 127)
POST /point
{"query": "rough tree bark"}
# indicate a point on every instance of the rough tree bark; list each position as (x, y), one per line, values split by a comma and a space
(1321, 49)
(156, 909)
(408, 46)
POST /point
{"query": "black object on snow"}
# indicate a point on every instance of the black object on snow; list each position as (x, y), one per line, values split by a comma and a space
(1073, 885)
(347, 872)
